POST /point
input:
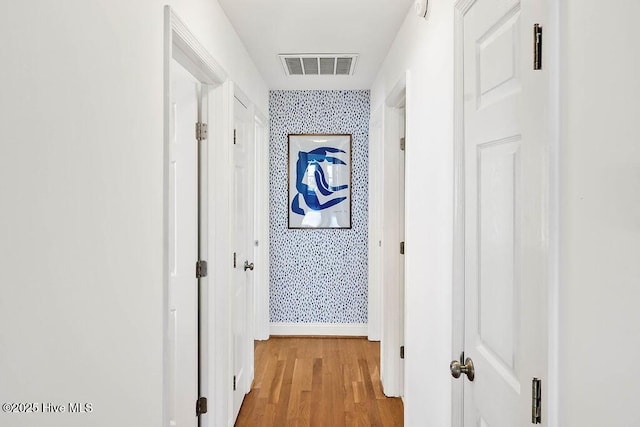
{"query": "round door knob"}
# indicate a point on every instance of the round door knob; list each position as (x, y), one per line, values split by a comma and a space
(458, 369)
(248, 266)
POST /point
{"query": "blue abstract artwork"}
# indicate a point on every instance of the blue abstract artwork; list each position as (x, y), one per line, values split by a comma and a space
(320, 181)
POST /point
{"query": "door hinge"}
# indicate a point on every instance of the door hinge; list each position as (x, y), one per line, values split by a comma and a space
(537, 47)
(234, 260)
(234, 137)
(201, 406)
(201, 269)
(201, 131)
(401, 248)
(401, 352)
(402, 143)
(234, 383)
(536, 401)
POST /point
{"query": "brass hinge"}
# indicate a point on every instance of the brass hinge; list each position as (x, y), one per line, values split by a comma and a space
(537, 47)
(402, 144)
(201, 269)
(201, 406)
(401, 248)
(201, 131)
(401, 352)
(536, 401)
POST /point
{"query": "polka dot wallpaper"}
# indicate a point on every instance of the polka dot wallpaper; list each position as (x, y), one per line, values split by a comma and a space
(318, 276)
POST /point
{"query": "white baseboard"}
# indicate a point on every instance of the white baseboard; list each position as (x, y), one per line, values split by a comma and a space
(338, 329)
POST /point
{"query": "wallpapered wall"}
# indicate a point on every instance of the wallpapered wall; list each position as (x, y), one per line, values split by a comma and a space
(318, 276)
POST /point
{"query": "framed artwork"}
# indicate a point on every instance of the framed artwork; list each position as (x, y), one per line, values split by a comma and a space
(319, 181)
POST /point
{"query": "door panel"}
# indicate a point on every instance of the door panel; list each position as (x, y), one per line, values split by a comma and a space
(505, 214)
(497, 236)
(498, 55)
(183, 233)
(243, 236)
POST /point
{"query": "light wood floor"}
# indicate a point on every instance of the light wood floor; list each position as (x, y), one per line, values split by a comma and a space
(325, 382)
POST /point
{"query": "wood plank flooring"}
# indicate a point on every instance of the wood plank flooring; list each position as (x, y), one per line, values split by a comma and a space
(324, 382)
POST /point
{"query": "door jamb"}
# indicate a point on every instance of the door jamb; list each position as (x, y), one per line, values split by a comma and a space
(261, 226)
(392, 320)
(553, 61)
(457, 395)
(375, 255)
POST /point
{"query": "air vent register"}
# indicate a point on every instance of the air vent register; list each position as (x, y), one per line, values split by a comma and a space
(319, 64)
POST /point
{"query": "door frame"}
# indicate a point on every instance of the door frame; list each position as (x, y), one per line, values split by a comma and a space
(393, 306)
(457, 295)
(180, 44)
(375, 226)
(261, 324)
(551, 61)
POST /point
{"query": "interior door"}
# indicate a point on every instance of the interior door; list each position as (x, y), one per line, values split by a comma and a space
(243, 256)
(402, 115)
(183, 251)
(506, 214)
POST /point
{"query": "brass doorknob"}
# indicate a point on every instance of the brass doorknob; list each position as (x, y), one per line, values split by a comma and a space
(248, 266)
(458, 369)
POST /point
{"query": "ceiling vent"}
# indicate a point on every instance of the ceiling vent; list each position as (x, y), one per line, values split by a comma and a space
(319, 64)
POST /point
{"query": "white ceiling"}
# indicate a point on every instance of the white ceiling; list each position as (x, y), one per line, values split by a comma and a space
(272, 27)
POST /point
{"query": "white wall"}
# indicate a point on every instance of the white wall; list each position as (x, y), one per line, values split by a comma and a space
(81, 201)
(425, 48)
(599, 214)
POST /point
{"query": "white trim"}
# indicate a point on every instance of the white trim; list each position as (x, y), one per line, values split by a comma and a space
(462, 6)
(321, 329)
(376, 176)
(242, 97)
(398, 94)
(554, 63)
(220, 240)
(183, 41)
(261, 250)
(457, 300)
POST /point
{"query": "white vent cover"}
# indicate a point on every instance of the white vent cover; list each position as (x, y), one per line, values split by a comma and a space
(314, 64)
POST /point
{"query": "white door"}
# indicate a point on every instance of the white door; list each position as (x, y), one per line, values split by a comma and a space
(183, 241)
(401, 226)
(241, 309)
(506, 214)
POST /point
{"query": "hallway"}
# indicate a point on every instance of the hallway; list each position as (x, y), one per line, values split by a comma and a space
(318, 382)
(514, 121)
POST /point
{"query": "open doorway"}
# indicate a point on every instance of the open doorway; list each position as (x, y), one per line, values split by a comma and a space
(392, 231)
(196, 241)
